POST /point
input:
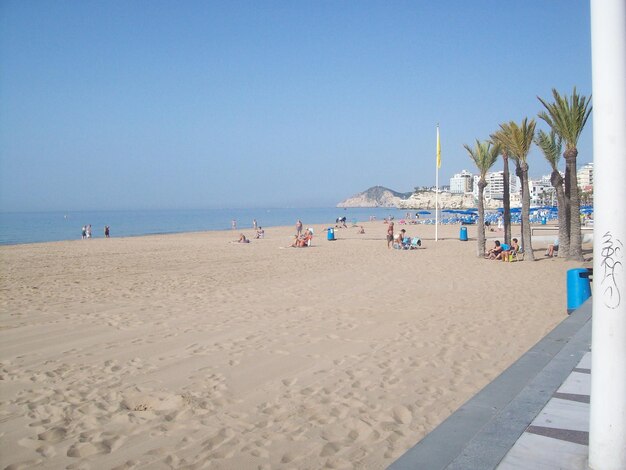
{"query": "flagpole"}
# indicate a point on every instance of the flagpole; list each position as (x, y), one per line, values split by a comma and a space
(437, 186)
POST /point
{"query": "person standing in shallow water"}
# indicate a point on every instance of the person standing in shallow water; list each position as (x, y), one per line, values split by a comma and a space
(298, 228)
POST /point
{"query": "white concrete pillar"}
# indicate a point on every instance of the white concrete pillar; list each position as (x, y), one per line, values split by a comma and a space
(607, 436)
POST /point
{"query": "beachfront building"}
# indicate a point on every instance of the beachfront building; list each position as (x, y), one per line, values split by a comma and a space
(585, 177)
(495, 185)
(461, 183)
(541, 191)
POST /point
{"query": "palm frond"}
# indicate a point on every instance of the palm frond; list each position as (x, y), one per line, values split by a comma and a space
(567, 116)
(517, 139)
(551, 146)
(484, 154)
(498, 138)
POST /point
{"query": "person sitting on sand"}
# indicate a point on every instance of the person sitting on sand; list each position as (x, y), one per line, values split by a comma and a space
(303, 240)
(406, 240)
(260, 233)
(243, 239)
(495, 252)
(361, 230)
(553, 248)
(515, 248)
(507, 250)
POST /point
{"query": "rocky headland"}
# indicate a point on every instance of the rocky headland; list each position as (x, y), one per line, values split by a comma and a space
(379, 196)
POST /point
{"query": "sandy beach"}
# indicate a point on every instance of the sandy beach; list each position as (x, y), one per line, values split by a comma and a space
(191, 351)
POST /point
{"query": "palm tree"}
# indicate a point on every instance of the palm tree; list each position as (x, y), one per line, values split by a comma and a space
(518, 139)
(567, 117)
(498, 138)
(551, 146)
(484, 155)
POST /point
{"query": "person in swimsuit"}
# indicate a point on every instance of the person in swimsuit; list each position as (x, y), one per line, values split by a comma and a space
(389, 234)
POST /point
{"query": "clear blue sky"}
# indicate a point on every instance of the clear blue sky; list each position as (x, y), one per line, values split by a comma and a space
(196, 104)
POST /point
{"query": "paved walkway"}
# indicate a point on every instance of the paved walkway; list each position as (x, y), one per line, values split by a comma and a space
(534, 415)
(558, 438)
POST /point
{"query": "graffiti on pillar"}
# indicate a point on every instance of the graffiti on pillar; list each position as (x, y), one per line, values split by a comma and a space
(613, 269)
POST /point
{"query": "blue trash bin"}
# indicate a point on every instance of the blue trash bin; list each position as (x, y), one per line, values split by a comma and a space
(578, 288)
(330, 235)
(463, 234)
(543, 221)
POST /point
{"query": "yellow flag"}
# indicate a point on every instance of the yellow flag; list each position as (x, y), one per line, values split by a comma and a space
(438, 149)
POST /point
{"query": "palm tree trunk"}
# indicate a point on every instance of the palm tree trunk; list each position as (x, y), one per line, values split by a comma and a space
(481, 220)
(526, 236)
(506, 199)
(567, 185)
(563, 206)
(575, 242)
(519, 174)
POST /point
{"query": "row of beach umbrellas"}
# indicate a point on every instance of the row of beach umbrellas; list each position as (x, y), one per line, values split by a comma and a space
(537, 214)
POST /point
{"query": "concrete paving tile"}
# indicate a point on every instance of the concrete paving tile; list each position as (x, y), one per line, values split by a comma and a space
(585, 362)
(577, 383)
(564, 414)
(544, 453)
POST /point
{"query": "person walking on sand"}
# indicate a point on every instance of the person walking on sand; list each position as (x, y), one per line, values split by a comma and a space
(233, 224)
(254, 225)
(298, 228)
(106, 231)
(389, 234)
(84, 232)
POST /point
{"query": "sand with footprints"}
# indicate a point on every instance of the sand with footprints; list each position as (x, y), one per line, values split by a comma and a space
(191, 351)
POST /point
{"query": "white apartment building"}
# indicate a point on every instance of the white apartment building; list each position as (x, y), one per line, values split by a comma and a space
(461, 183)
(585, 177)
(495, 185)
(541, 191)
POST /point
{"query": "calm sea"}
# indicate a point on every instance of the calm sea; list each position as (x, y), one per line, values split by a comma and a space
(34, 227)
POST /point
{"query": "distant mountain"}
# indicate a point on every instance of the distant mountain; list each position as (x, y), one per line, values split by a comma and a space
(376, 196)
